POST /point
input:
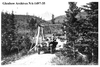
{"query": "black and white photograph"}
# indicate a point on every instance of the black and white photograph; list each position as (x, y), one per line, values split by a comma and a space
(49, 32)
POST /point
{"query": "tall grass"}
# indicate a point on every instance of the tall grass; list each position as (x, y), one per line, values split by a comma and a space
(61, 59)
(14, 57)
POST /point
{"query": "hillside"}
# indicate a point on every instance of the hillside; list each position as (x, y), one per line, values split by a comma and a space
(23, 25)
(59, 19)
(23, 28)
(49, 27)
(57, 27)
(53, 28)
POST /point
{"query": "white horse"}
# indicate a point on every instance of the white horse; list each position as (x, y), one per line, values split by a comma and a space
(60, 44)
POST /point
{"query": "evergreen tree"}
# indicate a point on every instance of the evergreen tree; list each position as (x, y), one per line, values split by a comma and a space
(70, 24)
(53, 19)
(8, 32)
(87, 28)
(92, 28)
(32, 24)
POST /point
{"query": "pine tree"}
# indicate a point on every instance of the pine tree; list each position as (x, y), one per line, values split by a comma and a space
(8, 32)
(87, 28)
(70, 24)
(32, 24)
(92, 28)
(70, 27)
(53, 20)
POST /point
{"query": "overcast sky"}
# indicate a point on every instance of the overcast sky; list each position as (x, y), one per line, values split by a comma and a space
(56, 7)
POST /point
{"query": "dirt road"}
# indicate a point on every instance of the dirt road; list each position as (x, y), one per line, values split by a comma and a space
(35, 59)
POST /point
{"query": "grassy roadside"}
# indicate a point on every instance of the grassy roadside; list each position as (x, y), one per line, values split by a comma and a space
(14, 57)
(61, 59)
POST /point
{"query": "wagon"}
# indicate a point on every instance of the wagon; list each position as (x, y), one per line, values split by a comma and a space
(44, 48)
(47, 47)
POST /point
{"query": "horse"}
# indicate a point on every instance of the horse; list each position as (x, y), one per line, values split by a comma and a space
(60, 44)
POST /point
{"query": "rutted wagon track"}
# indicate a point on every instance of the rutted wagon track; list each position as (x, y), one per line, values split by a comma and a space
(35, 59)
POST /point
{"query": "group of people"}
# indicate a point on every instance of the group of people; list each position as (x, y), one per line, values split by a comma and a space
(54, 43)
